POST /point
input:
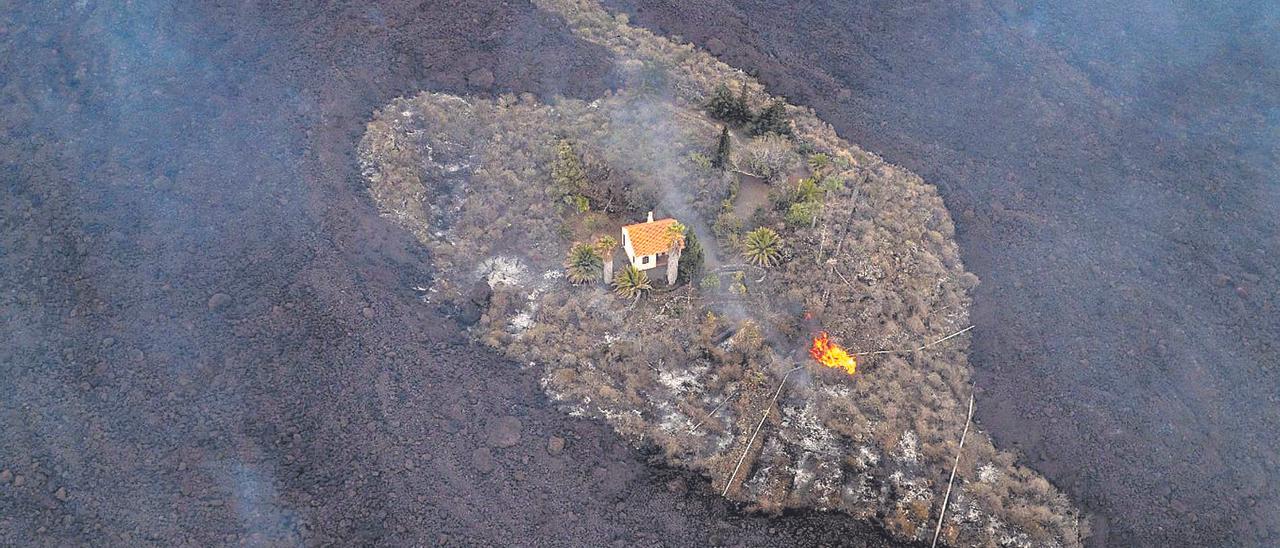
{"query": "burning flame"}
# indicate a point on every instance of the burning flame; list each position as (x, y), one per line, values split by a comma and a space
(831, 355)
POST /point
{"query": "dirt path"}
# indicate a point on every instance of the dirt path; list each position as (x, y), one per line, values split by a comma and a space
(1111, 169)
(211, 338)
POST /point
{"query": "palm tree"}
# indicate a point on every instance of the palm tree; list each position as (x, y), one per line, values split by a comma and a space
(675, 243)
(582, 263)
(605, 246)
(631, 282)
(762, 247)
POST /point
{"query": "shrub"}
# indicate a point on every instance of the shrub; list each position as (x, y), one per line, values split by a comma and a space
(802, 214)
(773, 119)
(582, 264)
(568, 174)
(769, 156)
(727, 107)
(631, 282)
(710, 282)
(762, 247)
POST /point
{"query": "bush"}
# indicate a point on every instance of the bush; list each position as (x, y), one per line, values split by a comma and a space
(762, 247)
(769, 156)
(710, 282)
(803, 214)
(773, 119)
(727, 107)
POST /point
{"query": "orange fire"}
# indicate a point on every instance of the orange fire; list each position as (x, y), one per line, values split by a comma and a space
(831, 355)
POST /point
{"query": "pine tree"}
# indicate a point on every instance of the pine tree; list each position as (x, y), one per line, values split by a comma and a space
(721, 158)
(691, 259)
(722, 104)
(726, 107)
(773, 119)
(741, 112)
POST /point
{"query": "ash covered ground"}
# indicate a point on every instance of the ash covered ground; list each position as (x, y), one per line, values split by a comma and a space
(1112, 169)
(211, 337)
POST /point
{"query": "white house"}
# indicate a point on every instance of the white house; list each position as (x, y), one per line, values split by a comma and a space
(648, 245)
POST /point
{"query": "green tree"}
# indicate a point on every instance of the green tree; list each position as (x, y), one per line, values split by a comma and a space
(773, 119)
(726, 107)
(803, 213)
(720, 106)
(762, 247)
(721, 158)
(631, 282)
(742, 112)
(605, 246)
(691, 259)
(569, 175)
(582, 264)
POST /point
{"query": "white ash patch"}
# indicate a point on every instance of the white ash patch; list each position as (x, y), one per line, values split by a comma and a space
(962, 509)
(821, 477)
(910, 490)
(866, 457)
(860, 490)
(522, 321)
(804, 473)
(502, 270)
(837, 392)
(674, 421)
(804, 429)
(988, 473)
(908, 450)
(682, 379)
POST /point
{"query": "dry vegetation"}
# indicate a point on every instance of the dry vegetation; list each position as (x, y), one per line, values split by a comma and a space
(690, 369)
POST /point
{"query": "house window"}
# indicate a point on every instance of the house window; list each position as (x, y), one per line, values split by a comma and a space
(644, 259)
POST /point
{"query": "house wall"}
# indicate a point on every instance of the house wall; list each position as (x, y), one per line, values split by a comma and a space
(626, 245)
(639, 262)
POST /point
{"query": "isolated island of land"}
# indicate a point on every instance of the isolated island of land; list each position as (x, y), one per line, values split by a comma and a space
(667, 254)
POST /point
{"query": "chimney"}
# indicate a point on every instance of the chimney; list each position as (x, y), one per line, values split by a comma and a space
(651, 216)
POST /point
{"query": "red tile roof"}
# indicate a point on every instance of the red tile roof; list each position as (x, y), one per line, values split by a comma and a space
(650, 238)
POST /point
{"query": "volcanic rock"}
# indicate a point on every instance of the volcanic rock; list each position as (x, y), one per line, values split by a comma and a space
(555, 445)
(503, 431)
(480, 78)
(219, 300)
(482, 460)
(480, 293)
